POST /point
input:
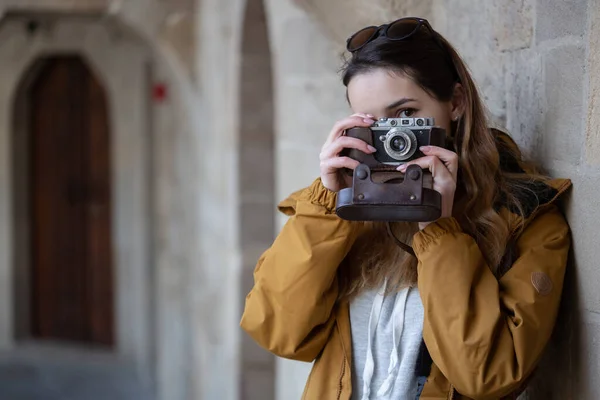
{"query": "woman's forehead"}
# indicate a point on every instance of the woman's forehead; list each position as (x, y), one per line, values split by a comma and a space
(380, 88)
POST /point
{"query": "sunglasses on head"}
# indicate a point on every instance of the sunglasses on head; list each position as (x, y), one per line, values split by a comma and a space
(400, 29)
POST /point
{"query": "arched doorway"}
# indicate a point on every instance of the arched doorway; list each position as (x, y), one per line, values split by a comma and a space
(257, 182)
(71, 266)
(119, 67)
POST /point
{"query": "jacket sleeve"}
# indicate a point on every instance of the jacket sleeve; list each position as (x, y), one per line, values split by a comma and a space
(486, 335)
(289, 309)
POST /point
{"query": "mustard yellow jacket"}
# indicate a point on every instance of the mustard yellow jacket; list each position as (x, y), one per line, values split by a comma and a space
(484, 334)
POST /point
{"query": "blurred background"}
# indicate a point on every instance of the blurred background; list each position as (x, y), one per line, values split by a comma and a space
(144, 145)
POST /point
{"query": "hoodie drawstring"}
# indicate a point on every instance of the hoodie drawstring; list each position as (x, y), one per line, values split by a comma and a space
(398, 312)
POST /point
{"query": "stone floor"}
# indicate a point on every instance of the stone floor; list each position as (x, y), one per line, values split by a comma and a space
(55, 373)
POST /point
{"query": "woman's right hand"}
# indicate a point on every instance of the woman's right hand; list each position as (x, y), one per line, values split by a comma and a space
(332, 164)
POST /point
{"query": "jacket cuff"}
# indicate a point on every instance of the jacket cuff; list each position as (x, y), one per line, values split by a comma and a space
(423, 239)
(318, 194)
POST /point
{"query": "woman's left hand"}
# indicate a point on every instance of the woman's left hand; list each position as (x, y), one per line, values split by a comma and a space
(443, 165)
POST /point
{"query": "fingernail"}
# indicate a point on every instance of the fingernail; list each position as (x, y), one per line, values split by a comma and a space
(401, 168)
(368, 120)
(373, 149)
(424, 148)
(370, 116)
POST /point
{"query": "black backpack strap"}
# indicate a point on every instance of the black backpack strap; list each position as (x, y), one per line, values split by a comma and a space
(422, 368)
(424, 361)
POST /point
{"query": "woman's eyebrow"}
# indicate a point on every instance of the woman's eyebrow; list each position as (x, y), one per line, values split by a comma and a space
(399, 103)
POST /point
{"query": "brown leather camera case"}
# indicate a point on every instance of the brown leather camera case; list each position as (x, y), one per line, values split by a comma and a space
(367, 200)
(380, 193)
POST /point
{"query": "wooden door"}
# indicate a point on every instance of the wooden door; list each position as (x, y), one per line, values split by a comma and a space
(72, 277)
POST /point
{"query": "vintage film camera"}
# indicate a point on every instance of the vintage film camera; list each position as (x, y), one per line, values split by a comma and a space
(378, 191)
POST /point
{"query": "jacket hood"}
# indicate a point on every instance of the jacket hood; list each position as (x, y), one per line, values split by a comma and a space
(535, 193)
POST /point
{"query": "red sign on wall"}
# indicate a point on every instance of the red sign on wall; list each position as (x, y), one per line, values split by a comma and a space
(159, 92)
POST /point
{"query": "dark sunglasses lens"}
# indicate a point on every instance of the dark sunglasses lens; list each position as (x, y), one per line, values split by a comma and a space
(403, 28)
(361, 37)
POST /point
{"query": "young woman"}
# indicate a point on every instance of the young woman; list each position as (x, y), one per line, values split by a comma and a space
(469, 314)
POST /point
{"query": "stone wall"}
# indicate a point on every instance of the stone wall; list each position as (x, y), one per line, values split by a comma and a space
(256, 152)
(216, 281)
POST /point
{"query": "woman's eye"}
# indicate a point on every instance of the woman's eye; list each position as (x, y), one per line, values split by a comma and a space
(406, 113)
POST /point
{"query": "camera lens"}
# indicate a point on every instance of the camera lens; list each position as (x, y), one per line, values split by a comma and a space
(398, 144)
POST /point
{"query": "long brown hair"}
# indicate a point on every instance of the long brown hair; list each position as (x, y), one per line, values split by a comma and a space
(482, 184)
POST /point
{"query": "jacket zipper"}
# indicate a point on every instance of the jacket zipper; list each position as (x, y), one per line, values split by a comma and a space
(343, 372)
(339, 394)
(452, 394)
